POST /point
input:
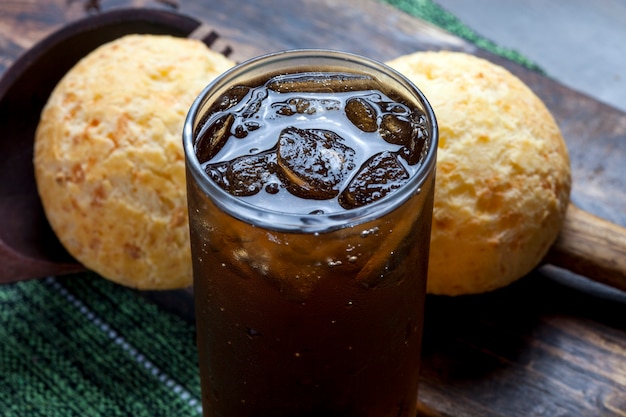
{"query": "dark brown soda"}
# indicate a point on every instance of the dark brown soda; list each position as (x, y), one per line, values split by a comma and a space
(313, 142)
(303, 324)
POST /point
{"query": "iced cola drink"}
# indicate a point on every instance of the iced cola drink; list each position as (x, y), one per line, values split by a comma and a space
(310, 184)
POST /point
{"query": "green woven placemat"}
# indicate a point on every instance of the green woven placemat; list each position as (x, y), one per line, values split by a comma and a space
(84, 346)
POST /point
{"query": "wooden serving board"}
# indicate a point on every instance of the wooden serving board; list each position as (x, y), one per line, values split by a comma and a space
(552, 344)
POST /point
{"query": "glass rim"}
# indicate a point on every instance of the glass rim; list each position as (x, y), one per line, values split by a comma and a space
(295, 222)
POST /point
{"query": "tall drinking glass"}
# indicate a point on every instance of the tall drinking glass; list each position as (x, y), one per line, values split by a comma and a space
(310, 178)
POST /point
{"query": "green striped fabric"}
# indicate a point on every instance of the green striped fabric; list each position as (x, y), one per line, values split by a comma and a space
(84, 346)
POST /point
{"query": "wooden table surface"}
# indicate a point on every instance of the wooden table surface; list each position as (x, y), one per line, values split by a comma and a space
(552, 344)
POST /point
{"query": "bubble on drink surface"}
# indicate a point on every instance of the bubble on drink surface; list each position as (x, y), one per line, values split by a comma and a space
(370, 232)
(305, 105)
(322, 82)
(245, 175)
(377, 177)
(334, 262)
(213, 137)
(313, 162)
(272, 188)
(252, 333)
(362, 114)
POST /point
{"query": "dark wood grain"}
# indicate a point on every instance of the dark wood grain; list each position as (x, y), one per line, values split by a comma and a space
(591, 246)
(553, 344)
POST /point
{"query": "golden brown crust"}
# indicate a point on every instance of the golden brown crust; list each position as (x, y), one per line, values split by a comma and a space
(109, 162)
(503, 173)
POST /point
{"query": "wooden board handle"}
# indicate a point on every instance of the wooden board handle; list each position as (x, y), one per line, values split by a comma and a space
(592, 247)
